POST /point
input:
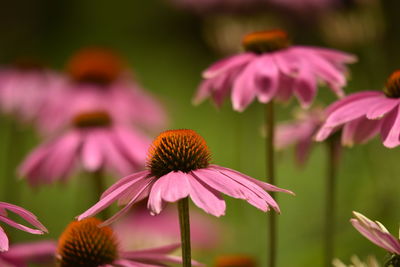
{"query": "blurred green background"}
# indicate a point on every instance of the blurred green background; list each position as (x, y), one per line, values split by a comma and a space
(166, 49)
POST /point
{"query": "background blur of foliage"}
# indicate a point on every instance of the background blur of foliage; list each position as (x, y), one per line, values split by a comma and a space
(166, 49)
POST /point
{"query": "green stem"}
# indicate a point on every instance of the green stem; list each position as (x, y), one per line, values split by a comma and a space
(99, 187)
(183, 207)
(273, 232)
(330, 208)
(13, 143)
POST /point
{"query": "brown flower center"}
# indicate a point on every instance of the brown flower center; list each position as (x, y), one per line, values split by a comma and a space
(95, 65)
(392, 88)
(92, 119)
(84, 244)
(266, 41)
(235, 261)
(178, 150)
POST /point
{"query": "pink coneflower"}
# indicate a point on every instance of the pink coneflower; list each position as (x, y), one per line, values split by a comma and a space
(86, 244)
(97, 78)
(179, 167)
(23, 213)
(21, 255)
(379, 235)
(365, 114)
(94, 142)
(150, 231)
(300, 132)
(270, 68)
(23, 89)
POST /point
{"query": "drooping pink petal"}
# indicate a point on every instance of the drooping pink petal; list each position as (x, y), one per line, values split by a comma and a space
(141, 193)
(60, 161)
(92, 154)
(133, 143)
(285, 88)
(114, 158)
(379, 238)
(174, 186)
(206, 198)
(244, 89)
(324, 69)
(230, 187)
(360, 131)
(382, 106)
(225, 64)
(349, 112)
(127, 179)
(302, 151)
(110, 196)
(35, 252)
(3, 241)
(332, 55)
(266, 78)
(305, 86)
(390, 129)
(263, 185)
(351, 98)
(25, 214)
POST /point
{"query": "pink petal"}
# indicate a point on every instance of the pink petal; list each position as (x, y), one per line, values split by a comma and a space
(324, 69)
(303, 148)
(127, 179)
(244, 88)
(141, 193)
(360, 131)
(174, 186)
(3, 241)
(332, 55)
(133, 143)
(349, 112)
(390, 130)
(206, 198)
(110, 196)
(39, 252)
(230, 187)
(285, 88)
(25, 214)
(266, 78)
(377, 237)
(305, 86)
(92, 155)
(226, 64)
(351, 98)
(251, 181)
(203, 91)
(286, 61)
(383, 106)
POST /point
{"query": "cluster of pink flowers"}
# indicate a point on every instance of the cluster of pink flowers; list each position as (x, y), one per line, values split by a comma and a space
(96, 118)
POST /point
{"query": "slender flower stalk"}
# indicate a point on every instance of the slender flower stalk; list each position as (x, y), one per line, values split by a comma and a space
(330, 194)
(270, 155)
(184, 222)
(301, 132)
